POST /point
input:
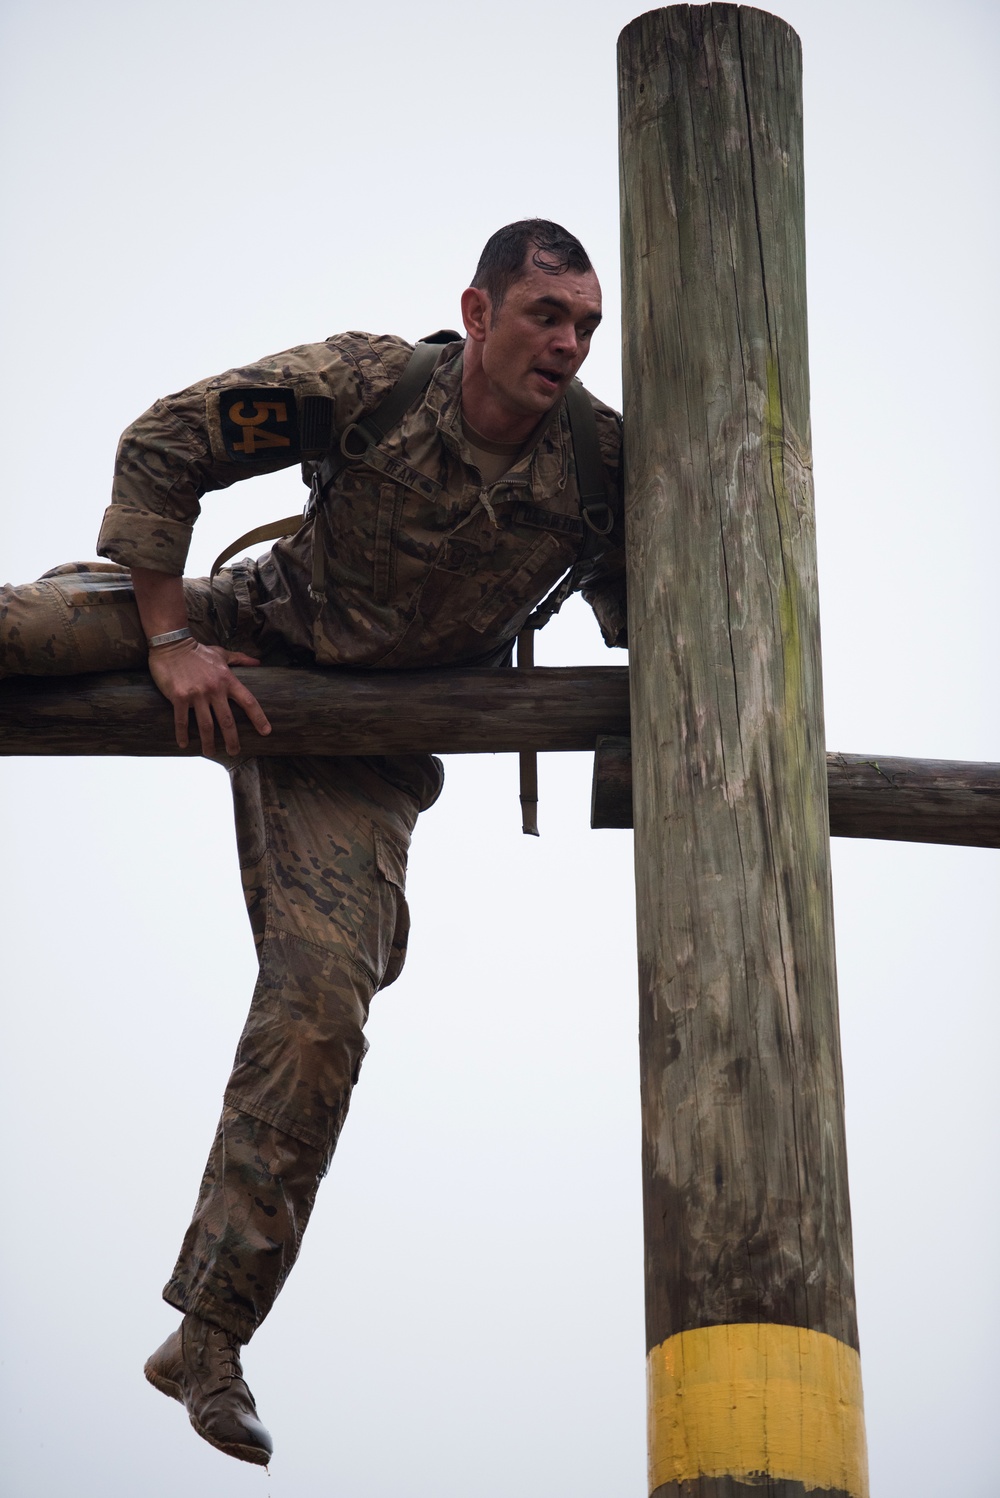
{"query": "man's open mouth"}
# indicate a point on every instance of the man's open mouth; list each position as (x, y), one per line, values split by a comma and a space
(552, 377)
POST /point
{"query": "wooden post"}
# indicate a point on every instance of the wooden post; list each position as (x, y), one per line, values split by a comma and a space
(754, 1374)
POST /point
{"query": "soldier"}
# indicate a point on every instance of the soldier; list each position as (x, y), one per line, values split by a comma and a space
(451, 493)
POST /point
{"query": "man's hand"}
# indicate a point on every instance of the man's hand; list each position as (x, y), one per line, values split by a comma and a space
(193, 678)
(196, 678)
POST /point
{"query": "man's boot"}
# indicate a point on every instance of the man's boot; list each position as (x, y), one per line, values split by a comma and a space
(199, 1364)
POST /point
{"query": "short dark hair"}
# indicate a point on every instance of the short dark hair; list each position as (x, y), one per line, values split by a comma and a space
(504, 254)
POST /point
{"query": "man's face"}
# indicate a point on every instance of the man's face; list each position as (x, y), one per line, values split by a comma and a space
(534, 345)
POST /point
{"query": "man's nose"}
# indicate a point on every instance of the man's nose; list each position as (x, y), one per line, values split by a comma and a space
(565, 339)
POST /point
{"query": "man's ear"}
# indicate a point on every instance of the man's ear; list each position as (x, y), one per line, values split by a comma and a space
(476, 310)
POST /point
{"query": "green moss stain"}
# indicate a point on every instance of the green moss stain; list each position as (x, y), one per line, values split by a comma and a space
(793, 614)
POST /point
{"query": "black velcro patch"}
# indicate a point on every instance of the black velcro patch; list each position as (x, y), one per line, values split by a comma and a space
(315, 425)
(259, 425)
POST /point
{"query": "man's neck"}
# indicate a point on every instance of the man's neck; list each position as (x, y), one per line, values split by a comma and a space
(490, 416)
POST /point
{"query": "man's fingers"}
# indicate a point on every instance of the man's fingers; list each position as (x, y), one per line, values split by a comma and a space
(201, 682)
(181, 715)
(227, 725)
(206, 726)
(248, 702)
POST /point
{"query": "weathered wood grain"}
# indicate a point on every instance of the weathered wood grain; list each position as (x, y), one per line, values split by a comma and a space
(330, 712)
(744, 1159)
(870, 795)
(914, 800)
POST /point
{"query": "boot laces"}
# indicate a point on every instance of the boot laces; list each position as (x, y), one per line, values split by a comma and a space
(224, 1352)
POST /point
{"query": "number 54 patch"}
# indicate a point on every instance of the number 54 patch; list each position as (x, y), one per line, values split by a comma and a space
(259, 425)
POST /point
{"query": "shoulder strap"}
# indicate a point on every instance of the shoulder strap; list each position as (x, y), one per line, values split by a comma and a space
(357, 438)
(597, 503)
(411, 383)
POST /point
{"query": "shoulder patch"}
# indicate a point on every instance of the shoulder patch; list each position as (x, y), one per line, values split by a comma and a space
(259, 423)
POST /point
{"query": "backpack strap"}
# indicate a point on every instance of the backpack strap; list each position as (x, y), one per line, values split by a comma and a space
(598, 503)
(599, 510)
(356, 439)
(598, 506)
(369, 430)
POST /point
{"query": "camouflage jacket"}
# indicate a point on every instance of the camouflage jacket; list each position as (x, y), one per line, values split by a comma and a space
(421, 564)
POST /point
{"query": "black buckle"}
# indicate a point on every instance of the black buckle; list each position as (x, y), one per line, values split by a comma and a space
(315, 493)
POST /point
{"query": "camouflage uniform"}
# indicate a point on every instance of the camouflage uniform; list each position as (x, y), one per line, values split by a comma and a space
(408, 562)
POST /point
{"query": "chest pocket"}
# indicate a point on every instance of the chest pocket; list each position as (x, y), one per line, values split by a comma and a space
(461, 556)
(524, 583)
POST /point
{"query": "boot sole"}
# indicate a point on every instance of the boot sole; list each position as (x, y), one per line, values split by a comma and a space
(255, 1454)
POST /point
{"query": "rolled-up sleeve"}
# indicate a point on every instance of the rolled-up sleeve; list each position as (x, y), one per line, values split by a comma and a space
(252, 420)
(160, 476)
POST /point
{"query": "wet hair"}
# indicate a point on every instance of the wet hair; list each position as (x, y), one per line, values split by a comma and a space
(556, 251)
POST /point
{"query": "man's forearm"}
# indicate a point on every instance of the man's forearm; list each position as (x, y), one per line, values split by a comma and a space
(159, 598)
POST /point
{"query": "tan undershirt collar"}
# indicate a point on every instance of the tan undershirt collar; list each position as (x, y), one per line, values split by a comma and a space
(494, 459)
(487, 445)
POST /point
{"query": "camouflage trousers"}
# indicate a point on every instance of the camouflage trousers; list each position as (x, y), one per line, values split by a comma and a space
(322, 850)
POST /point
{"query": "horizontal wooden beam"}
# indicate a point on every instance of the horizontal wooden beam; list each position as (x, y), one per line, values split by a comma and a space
(481, 712)
(914, 800)
(330, 712)
(908, 800)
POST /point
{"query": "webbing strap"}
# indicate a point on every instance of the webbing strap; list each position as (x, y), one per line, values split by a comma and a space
(390, 412)
(368, 430)
(270, 532)
(365, 433)
(596, 504)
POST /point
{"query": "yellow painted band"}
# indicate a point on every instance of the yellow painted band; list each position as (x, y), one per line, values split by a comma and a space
(748, 1400)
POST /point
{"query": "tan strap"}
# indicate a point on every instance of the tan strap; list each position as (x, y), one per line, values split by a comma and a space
(270, 532)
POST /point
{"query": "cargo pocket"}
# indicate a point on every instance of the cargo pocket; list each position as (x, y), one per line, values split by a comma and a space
(76, 618)
(382, 940)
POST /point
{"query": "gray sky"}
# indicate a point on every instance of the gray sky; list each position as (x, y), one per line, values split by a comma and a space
(189, 186)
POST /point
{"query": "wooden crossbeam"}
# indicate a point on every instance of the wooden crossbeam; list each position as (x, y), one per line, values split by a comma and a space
(331, 712)
(481, 712)
(878, 796)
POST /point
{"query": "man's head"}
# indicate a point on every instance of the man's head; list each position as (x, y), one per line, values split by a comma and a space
(530, 312)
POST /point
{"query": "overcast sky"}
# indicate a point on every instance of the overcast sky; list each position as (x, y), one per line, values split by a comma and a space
(189, 186)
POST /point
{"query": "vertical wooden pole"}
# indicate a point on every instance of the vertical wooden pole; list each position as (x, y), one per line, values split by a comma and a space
(754, 1375)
